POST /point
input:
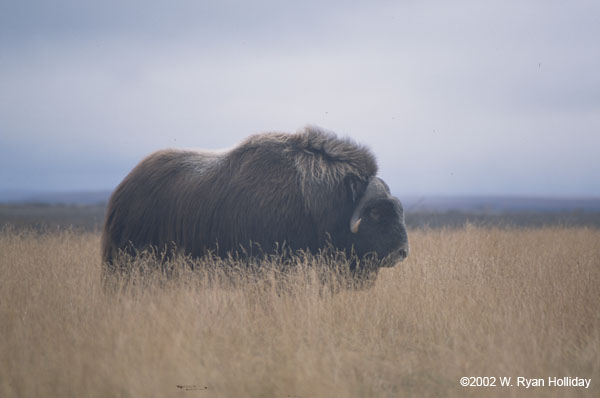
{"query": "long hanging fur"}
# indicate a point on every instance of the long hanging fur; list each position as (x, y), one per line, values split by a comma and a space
(271, 189)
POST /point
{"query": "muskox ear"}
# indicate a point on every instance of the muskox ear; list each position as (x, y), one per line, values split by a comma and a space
(354, 187)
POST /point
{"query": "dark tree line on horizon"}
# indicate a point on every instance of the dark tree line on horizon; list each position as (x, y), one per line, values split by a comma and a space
(90, 217)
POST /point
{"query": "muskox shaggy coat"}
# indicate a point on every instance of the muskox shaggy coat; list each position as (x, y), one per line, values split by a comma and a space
(300, 191)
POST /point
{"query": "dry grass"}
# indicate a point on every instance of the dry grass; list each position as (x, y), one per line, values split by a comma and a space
(467, 302)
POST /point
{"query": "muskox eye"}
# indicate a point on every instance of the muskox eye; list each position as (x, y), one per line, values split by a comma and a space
(374, 214)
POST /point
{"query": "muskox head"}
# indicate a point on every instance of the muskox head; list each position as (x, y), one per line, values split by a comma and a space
(377, 223)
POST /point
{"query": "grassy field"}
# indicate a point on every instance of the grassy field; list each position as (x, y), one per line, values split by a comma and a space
(470, 301)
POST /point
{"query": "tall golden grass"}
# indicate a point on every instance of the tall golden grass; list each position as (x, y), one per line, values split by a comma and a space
(467, 302)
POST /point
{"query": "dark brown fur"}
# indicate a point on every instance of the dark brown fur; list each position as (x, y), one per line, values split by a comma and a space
(274, 188)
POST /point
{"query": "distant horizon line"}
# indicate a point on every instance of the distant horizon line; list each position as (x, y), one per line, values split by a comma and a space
(567, 196)
(484, 204)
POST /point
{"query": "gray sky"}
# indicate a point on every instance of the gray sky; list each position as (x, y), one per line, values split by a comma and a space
(461, 97)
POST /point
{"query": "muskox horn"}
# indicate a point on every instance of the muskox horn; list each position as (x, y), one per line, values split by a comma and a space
(375, 188)
(354, 225)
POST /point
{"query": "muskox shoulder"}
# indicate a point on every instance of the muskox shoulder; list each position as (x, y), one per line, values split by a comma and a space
(333, 149)
(317, 154)
(314, 161)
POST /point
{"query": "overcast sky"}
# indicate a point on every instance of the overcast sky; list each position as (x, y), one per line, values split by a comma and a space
(453, 97)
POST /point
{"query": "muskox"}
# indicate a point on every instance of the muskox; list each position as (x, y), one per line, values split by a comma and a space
(302, 192)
